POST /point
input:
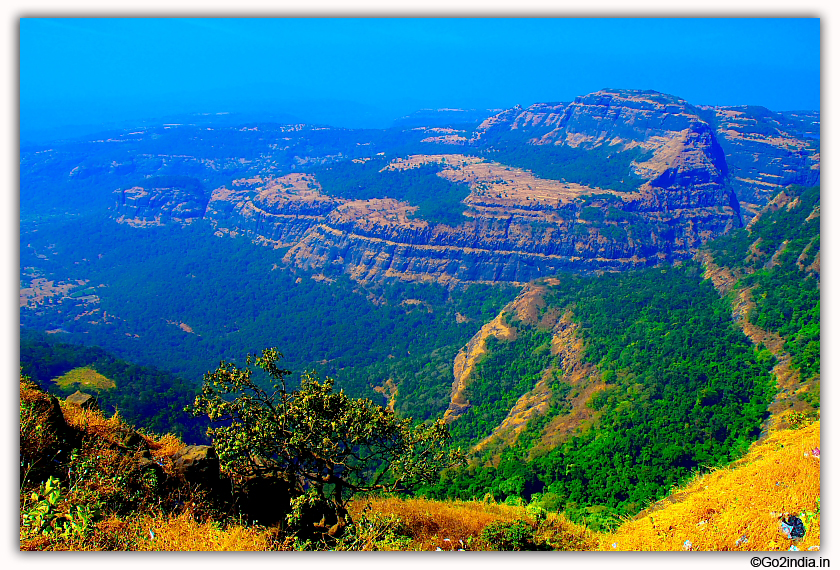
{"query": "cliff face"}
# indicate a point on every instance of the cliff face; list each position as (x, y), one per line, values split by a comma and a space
(767, 151)
(758, 151)
(271, 211)
(522, 227)
(519, 226)
(140, 206)
(610, 116)
(681, 164)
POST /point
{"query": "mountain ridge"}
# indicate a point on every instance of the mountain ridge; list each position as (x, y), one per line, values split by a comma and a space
(521, 219)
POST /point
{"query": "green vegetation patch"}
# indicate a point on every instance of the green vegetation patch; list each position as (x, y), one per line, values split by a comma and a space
(84, 378)
(786, 295)
(147, 397)
(508, 370)
(438, 201)
(597, 168)
(689, 392)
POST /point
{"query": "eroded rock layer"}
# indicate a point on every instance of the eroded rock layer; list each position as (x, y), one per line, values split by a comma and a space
(683, 162)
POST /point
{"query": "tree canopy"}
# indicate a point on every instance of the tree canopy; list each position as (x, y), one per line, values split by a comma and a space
(325, 445)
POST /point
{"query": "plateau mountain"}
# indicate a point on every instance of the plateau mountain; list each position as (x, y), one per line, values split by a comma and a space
(612, 180)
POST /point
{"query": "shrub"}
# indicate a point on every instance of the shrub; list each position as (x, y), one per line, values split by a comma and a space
(324, 446)
(515, 535)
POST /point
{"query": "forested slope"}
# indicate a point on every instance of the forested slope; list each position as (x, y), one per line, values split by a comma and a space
(144, 396)
(183, 299)
(608, 390)
(771, 271)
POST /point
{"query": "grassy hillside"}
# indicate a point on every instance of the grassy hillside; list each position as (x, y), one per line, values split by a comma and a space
(609, 390)
(738, 507)
(676, 385)
(100, 495)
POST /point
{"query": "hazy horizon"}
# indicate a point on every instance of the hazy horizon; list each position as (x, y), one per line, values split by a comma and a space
(84, 73)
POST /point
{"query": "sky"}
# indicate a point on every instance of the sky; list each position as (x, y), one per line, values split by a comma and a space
(367, 72)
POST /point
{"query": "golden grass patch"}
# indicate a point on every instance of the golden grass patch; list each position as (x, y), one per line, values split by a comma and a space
(453, 525)
(430, 523)
(90, 421)
(171, 533)
(85, 377)
(738, 507)
(184, 533)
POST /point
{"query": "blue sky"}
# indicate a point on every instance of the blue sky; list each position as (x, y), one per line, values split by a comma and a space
(369, 71)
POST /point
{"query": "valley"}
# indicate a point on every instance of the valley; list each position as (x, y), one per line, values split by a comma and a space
(601, 299)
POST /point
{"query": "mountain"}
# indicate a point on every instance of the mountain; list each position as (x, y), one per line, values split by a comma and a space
(613, 180)
(767, 151)
(601, 298)
(597, 390)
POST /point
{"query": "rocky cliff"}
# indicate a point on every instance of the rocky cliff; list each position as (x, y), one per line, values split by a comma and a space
(767, 151)
(673, 191)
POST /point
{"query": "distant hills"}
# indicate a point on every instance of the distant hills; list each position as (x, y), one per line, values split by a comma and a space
(615, 179)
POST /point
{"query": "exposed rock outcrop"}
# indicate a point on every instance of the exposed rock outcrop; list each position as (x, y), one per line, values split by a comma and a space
(140, 206)
(767, 151)
(519, 226)
(84, 401)
(197, 464)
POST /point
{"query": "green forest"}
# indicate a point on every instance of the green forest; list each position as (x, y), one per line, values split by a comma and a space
(685, 390)
(235, 302)
(787, 295)
(145, 396)
(510, 369)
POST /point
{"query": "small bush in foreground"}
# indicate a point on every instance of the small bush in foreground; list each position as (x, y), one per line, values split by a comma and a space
(516, 535)
(320, 446)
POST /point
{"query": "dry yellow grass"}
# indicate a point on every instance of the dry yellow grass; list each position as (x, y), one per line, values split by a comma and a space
(165, 445)
(94, 423)
(778, 476)
(430, 522)
(450, 525)
(734, 508)
(184, 533)
(163, 533)
(91, 422)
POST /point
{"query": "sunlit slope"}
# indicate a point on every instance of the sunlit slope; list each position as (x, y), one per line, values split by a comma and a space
(608, 391)
(739, 507)
(109, 504)
(598, 394)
